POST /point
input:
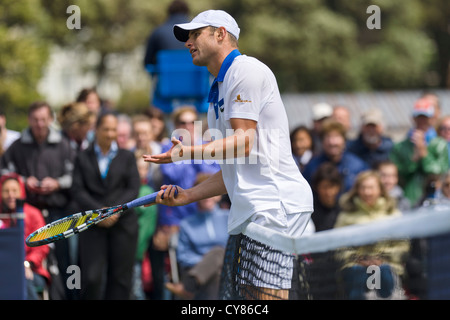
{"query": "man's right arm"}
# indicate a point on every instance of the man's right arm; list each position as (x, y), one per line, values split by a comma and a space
(213, 186)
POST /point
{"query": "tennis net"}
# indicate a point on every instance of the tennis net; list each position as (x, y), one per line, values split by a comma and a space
(401, 258)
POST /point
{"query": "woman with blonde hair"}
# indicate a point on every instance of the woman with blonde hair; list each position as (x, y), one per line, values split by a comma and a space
(76, 120)
(368, 201)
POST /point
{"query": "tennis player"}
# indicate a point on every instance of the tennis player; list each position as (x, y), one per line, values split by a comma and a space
(249, 127)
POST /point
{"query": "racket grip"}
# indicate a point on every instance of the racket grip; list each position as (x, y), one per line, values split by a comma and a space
(148, 199)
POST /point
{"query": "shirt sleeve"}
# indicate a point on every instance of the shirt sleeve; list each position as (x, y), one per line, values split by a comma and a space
(244, 94)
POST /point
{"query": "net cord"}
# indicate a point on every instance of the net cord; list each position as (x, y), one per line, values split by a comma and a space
(420, 223)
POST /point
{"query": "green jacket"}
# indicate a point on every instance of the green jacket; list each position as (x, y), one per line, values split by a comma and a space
(413, 175)
(147, 217)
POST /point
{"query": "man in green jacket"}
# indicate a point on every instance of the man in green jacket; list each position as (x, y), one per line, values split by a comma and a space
(422, 154)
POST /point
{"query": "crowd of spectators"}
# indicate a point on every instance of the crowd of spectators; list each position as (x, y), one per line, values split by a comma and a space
(85, 155)
(370, 177)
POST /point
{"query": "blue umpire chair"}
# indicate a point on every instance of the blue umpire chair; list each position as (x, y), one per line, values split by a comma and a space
(12, 257)
(179, 82)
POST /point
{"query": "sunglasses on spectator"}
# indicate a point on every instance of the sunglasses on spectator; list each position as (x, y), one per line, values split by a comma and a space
(185, 123)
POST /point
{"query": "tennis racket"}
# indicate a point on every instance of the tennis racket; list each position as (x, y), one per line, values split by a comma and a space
(68, 226)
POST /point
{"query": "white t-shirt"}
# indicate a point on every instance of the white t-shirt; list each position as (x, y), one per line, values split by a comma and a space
(269, 177)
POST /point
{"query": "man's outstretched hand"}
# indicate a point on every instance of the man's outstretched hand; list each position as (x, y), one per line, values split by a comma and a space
(175, 153)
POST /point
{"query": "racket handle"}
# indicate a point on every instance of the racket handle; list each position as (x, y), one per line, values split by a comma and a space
(148, 199)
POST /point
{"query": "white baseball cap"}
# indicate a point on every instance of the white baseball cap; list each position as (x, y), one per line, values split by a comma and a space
(372, 116)
(213, 18)
(321, 110)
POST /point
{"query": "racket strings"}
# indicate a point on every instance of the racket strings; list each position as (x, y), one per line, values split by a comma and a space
(71, 225)
(62, 226)
(51, 230)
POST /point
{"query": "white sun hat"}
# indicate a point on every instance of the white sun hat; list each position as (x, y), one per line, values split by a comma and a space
(213, 18)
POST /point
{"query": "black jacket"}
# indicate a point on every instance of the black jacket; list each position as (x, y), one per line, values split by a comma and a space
(52, 159)
(121, 185)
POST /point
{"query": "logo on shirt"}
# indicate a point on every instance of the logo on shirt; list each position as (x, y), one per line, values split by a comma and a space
(221, 106)
(238, 99)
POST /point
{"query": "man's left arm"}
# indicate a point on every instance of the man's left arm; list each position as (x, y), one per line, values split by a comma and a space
(238, 144)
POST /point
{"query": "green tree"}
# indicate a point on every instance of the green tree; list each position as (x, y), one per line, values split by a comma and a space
(113, 30)
(308, 46)
(397, 56)
(23, 56)
(325, 45)
(436, 15)
(311, 45)
(107, 27)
